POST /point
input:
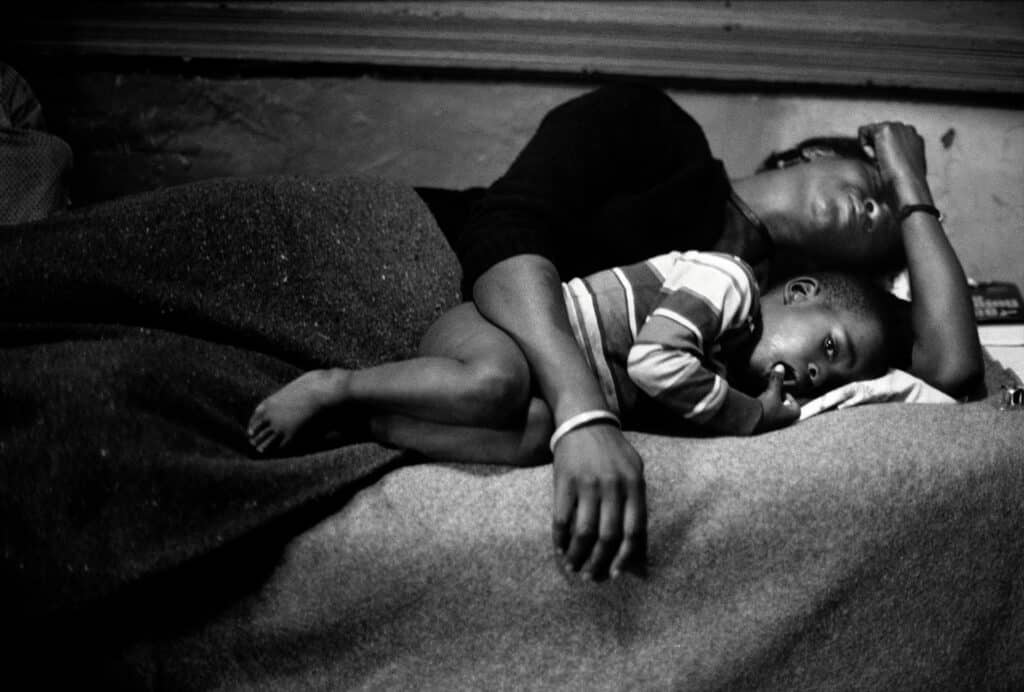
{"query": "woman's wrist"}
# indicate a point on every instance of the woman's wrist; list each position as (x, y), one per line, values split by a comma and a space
(908, 210)
(583, 419)
(911, 190)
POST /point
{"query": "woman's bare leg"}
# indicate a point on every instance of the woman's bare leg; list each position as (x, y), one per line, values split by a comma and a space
(468, 372)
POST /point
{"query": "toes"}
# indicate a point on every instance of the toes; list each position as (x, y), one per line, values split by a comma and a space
(257, 426)
(259, 417)
(264, 440)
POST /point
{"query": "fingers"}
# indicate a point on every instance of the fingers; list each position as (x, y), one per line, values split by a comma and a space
(600, 510)
(866, 134)
(634, 526)
(610, 530)
(775, 379)
(588, 508)
(792, 407)
(565, 501)
(609, 533)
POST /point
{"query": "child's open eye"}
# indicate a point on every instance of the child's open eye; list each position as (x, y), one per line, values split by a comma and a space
(830, 348)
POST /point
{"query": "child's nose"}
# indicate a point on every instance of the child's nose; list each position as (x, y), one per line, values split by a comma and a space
(813, 372)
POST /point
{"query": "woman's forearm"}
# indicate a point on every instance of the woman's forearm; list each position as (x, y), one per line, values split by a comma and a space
(946, 352)
(599, 523)
(523, 296)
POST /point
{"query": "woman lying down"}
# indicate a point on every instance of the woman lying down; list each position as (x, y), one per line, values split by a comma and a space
(536, 368)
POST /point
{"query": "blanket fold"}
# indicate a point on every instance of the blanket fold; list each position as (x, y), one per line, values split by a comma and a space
(135, 339)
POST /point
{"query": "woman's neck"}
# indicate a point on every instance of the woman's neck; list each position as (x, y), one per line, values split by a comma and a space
(768, 194)
(743, 233)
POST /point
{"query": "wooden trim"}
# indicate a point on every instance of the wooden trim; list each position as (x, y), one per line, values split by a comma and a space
(974, 46)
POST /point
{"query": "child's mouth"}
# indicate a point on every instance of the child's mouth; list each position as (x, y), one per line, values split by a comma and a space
(789, 378)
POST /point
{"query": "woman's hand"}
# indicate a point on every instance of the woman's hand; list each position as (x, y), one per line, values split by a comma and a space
(945, 352)
(600, 512)
(899, 151)
(600, 517)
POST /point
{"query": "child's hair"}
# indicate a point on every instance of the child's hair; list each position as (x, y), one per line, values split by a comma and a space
(816, 147)
(864, 296)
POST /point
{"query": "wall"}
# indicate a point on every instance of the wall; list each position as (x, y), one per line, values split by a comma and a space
(153, 93)
(135, 131)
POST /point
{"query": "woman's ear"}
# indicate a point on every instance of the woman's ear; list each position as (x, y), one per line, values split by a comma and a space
(800, 288)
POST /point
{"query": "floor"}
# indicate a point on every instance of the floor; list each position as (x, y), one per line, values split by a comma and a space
(136, 131)
(133, 131)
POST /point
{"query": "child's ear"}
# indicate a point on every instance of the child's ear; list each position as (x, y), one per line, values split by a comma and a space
(799, 289)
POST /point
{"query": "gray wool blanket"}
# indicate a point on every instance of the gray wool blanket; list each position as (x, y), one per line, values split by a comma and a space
(875, 548)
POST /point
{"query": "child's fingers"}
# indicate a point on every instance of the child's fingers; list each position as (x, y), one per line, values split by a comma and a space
(775, 378)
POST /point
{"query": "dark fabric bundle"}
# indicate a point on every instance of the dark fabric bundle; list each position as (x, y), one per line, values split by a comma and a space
(33, 162)
(135, 339)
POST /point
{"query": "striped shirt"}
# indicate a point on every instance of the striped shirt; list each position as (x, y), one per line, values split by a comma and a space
(662, 328)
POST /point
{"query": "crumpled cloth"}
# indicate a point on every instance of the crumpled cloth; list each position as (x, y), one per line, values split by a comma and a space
(34, 163)
(894, 386)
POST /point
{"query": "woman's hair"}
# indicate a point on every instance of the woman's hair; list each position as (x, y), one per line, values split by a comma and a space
(816, 147)
(865, 297)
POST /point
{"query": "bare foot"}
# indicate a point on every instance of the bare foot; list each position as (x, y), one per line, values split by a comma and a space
(279, 418)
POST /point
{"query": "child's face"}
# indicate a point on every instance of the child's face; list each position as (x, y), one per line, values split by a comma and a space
(821, 347)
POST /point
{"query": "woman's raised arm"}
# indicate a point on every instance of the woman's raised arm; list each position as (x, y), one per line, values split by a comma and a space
(946, 352)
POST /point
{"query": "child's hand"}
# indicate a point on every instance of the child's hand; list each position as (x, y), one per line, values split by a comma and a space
(780, 409)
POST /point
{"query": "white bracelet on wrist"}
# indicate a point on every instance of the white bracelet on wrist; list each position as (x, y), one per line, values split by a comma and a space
(579, 420)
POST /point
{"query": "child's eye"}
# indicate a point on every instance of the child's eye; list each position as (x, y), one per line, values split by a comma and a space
(830, 347)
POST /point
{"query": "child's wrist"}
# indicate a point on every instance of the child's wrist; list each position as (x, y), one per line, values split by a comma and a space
(759, 423)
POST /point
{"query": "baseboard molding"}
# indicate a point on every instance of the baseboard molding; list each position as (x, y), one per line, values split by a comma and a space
(968, 47)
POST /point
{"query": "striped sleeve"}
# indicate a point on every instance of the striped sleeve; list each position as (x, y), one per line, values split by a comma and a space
(714, 294)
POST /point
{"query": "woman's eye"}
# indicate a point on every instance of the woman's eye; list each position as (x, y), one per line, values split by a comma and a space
(830, 347)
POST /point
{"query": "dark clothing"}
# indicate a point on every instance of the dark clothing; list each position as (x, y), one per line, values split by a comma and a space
(611, 177)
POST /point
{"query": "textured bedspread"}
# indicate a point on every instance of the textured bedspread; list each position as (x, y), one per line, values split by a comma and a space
(135, 339)
(877, 548)
(873, 548)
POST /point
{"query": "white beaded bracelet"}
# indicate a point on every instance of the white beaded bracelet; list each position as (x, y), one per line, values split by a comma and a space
(579, 420)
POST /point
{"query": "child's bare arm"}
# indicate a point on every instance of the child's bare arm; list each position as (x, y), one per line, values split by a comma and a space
(946, 352)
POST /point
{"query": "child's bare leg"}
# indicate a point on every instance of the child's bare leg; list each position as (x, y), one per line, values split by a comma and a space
(468, 372)
(524, 443)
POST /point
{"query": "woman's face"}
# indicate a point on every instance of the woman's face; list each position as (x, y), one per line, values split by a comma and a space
(842, 212)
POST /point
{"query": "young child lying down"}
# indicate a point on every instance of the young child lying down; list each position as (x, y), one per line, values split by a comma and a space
(684, 334)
